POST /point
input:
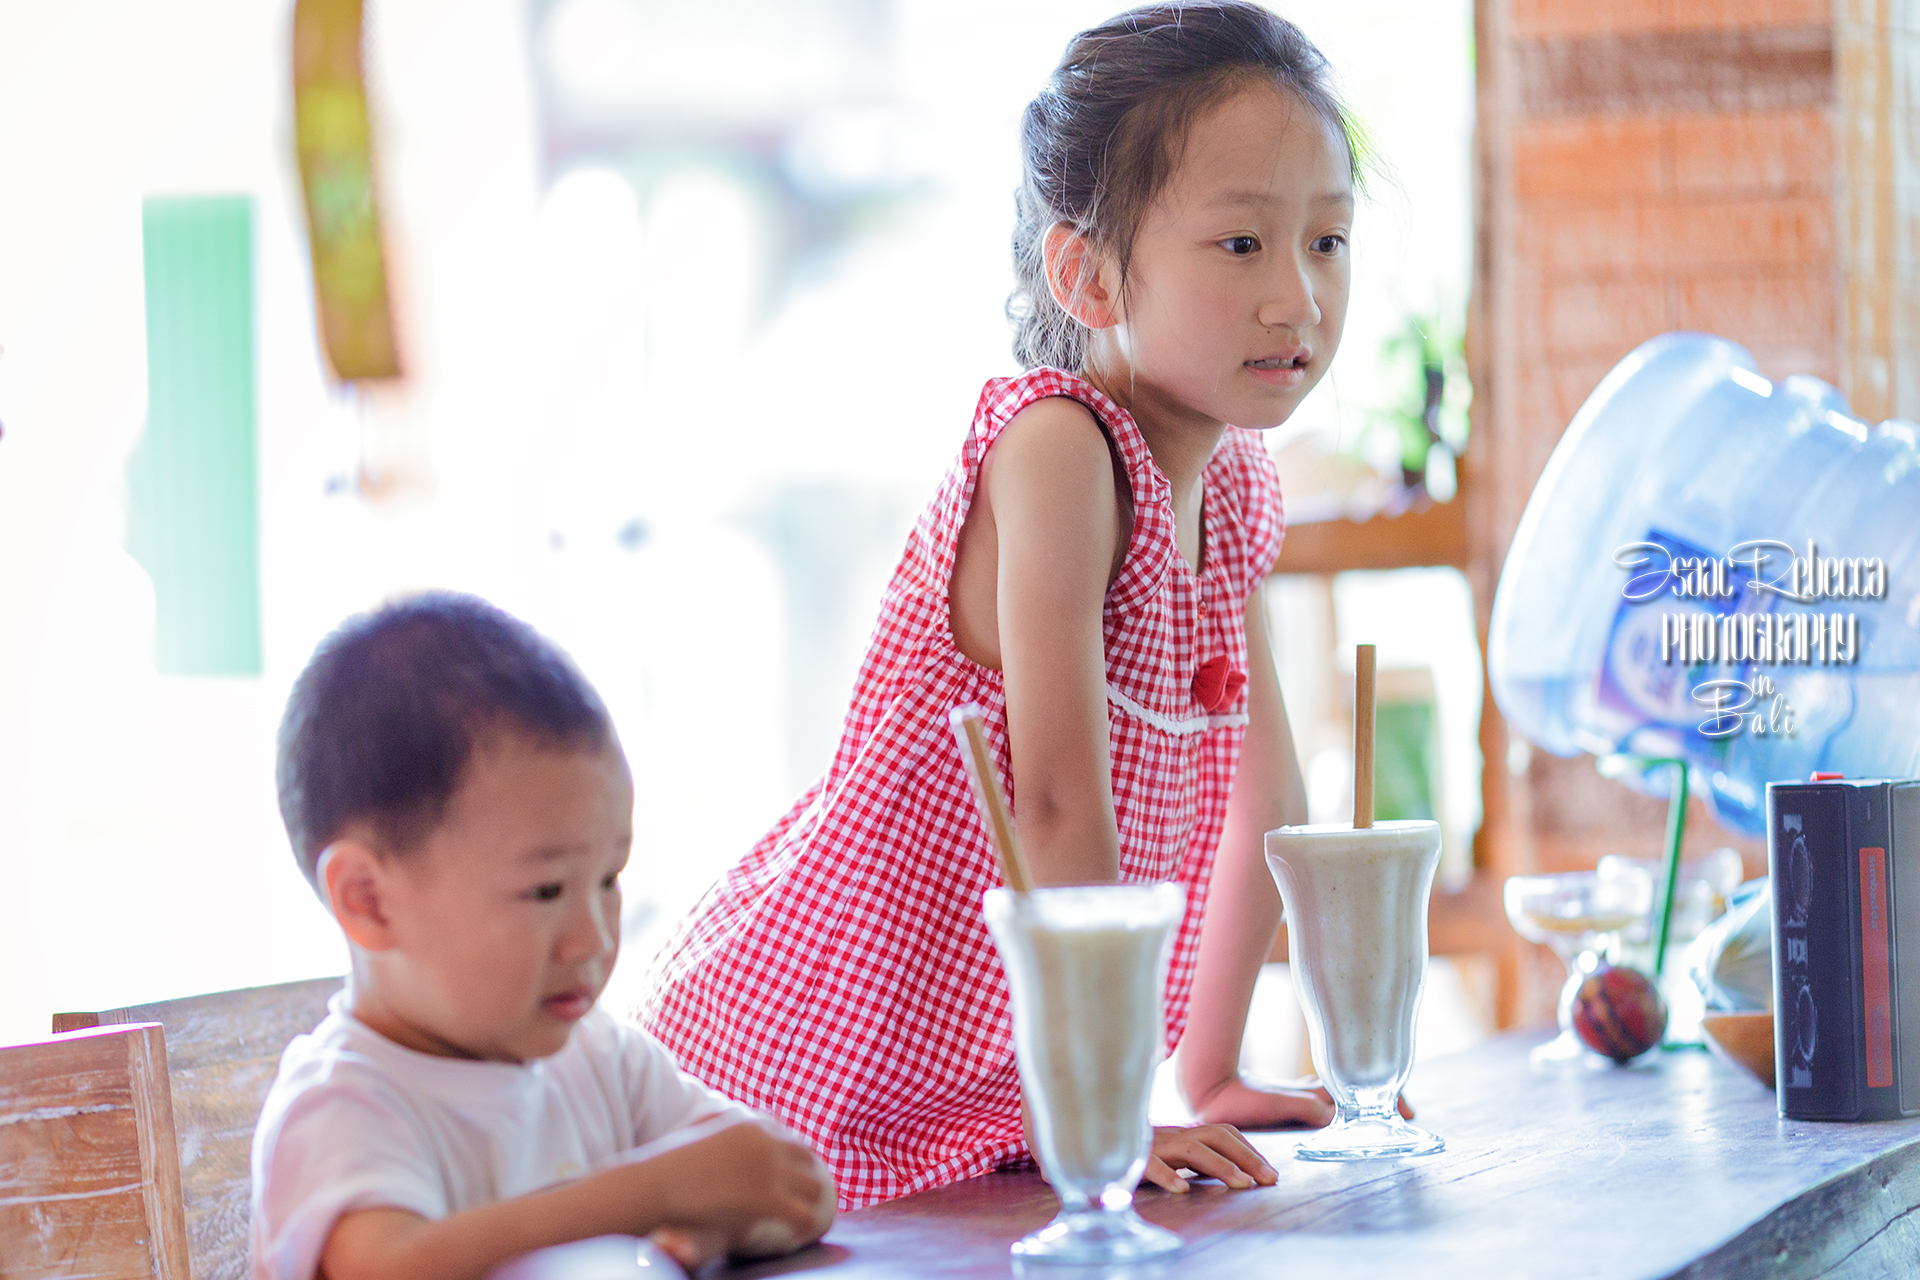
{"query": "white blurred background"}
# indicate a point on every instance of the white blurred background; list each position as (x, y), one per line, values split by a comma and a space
(696, 301)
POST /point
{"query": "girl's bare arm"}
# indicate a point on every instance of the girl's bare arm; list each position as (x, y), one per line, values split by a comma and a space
(1051, 490)
(1243, 911)
(1030, 581)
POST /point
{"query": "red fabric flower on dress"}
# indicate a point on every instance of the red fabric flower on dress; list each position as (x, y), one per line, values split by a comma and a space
(1216, 684)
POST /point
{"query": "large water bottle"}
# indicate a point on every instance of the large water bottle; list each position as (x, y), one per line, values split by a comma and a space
(1721, 568)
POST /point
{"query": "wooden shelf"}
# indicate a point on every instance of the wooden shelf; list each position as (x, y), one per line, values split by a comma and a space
(1413, 539)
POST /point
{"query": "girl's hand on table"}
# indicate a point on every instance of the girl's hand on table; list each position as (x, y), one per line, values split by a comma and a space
(1269, 1106)
(1266, 1106)
(1209, 1150)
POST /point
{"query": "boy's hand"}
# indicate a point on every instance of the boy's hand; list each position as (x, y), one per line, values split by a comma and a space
(751, 1183)
(690, 1247)
(1210, 1150)
(740, 1186)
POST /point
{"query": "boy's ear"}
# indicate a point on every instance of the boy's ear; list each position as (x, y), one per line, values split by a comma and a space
(1080, 277)
(354, 882)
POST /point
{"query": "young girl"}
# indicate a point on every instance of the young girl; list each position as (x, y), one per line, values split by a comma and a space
(1090, 573)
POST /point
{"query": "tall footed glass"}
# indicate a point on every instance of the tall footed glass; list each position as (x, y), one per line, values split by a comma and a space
(1356, 901)
(1087, 966)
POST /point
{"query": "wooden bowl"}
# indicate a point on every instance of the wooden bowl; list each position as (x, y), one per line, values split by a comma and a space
(1743, 1039)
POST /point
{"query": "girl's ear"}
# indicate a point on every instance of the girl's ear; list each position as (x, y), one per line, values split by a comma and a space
(354, 881)
(1080, 277)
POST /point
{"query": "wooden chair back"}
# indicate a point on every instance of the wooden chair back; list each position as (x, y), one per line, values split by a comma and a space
(89, 1173)
(223, 1050)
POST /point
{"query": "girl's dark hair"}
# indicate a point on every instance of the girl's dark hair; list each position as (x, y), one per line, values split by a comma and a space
(1103, 136)
(382, 724)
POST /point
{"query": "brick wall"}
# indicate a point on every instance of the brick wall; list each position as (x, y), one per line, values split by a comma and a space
(1667, 164)
(1877, 53)
(1746, 167)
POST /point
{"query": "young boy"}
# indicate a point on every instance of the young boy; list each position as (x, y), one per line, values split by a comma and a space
(454, 792)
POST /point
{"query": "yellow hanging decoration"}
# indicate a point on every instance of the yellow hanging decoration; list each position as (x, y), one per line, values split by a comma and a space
(333, 138)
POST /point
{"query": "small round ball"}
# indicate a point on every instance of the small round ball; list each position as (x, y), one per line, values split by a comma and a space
(1618, 1012)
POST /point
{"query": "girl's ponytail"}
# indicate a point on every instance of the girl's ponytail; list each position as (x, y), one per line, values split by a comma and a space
(1042, 332)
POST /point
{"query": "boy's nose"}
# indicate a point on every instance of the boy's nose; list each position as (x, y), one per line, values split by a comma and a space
(593, 929)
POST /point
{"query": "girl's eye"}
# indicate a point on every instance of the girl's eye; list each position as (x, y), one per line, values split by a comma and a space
(1240, 246)
(611, 882)
(545, 892)
(1331, 243)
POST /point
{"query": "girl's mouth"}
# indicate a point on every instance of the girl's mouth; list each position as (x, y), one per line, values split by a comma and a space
(1284, 370)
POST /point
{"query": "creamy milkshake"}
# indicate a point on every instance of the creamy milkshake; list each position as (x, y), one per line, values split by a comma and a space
(1356, 903)
(1086, 966)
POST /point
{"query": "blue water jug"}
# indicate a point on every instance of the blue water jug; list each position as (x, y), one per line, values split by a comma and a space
(1721, 568)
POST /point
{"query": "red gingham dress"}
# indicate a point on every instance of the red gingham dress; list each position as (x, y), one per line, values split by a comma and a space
(841, 976)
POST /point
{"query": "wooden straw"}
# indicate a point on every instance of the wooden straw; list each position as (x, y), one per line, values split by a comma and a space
(969, 728)
(1363, 736)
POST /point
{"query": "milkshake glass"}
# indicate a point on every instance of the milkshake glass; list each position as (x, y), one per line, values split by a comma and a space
(1087, 966)
(1356, 901)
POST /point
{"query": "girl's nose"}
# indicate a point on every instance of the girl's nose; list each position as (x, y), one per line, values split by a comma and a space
(1289, 303)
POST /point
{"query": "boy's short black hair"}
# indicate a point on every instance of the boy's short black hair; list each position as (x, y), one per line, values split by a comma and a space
(380, 726)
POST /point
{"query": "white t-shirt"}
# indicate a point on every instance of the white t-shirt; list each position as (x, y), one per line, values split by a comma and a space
(355, 1121)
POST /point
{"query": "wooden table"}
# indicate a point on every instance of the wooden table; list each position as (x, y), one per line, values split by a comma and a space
(1680, 1166)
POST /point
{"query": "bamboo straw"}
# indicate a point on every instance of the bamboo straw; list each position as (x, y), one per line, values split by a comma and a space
(1363, 736)
(968, 727)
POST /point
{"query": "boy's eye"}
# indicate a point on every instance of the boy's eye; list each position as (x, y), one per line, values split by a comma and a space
(1240, 246)
(545, 892)
(612, 881)
(1331, 243)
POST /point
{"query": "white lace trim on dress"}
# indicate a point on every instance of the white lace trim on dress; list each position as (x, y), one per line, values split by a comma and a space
(1167, 724)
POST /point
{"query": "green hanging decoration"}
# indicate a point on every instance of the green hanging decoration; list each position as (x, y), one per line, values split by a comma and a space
(192, 518)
